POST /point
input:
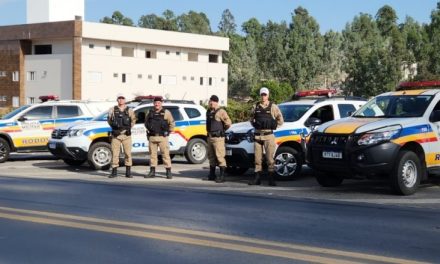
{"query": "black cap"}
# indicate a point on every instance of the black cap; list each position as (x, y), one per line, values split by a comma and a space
(157, 99)
(214, 98)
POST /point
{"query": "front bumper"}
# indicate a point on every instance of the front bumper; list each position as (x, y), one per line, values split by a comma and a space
(59, 150)
(361, 160)
(239, 158)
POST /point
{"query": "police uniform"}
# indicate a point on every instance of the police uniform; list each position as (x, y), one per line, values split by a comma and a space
(121, 121)
(159, 125)
(265, 119)
(217, 121)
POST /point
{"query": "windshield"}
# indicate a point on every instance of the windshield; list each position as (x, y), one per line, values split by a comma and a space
(395, 106)
(293, 112)
(101, 117)
(14, 112)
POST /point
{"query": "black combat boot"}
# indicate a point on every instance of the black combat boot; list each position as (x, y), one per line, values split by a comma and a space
(168, 173)
(271, 179)
(152, 173)
(114, 173)
(256, 180)
(221, 177)
(128, 172)
(211, 175)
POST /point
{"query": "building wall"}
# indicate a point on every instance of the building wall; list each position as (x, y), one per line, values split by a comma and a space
(105, 69)
(39, 11)
(52, 74)
(10, 63)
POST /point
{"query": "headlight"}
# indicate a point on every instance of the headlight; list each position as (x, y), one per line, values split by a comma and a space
(75, 132)
(380, 135)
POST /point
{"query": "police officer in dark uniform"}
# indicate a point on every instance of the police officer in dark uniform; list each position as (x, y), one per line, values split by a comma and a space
(217, 121)
(121, 119)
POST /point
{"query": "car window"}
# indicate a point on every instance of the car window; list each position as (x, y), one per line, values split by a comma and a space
(324, 113)
(175, 113)
(192, 112)
(64, 111)
(141, 114)
(346, 109)
(292, 113)
(41, 112)
(16, 111)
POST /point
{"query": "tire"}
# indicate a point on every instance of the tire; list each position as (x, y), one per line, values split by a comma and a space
(196, 151)
(236, 171)
(5, 150)
(73, 162)
(100, 156)
(327, 179)
(405, 178)
(288, 163)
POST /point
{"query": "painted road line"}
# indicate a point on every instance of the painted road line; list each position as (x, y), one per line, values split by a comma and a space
(230, 242)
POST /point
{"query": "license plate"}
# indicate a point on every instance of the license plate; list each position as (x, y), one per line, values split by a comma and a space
(332, 155)
(229, 152)
(52, 145)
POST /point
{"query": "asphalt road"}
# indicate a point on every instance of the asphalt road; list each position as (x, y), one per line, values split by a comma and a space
(52, 213)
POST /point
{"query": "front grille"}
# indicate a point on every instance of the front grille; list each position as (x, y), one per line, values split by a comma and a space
(235, 138)
(58, 133)
(333, 140)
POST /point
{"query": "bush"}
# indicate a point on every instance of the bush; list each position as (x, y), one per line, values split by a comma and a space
(238, 111)
(278, 91)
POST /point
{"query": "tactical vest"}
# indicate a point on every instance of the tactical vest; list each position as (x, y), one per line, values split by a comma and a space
(121, 121)
(156, 123)
(263, 118)
(213, 125)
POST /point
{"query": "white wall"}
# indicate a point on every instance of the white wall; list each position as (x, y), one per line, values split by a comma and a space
(39, 11)
(53, 75)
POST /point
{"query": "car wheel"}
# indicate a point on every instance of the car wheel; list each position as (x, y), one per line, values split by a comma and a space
(196, 151)
(406, 175)
(235, 170)
(288, 163)
(327, 179)
(5, 150)
(100, 156)
(73, 162)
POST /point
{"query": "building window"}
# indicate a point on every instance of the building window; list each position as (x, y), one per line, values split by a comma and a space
(210, 81)
(124, 78)
(127, 52)
(201, 80)
(184, 78)
(3, 98)
(150, 54)
(15, 76)
(30, 100)
(2, 74)
(31, 76)
(167, 52)
(115, 75)
(150, 76)
(42, 49)
(107, 47)
(192, 78)
(213, 58)
(139, 76)
(160, 79)
(193, 56)
(223, 79)
(91, 46)
(177, 53)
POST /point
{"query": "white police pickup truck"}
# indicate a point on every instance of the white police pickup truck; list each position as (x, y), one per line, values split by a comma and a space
(395, 136)
(90, 141)
(298, 118)
(28, 128)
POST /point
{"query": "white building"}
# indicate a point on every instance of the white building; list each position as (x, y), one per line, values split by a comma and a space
(81, 60)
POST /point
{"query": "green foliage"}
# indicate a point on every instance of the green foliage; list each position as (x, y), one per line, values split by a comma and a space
(278, 91)
(227, 24)
(194, 22)
(238, 111)
(117, 18)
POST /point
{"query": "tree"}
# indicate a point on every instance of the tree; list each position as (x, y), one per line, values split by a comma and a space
(305, 49)
(386, 19)
(168, 21)
(278, 91)
(434, 39)
(332, 57)
(227, 24)
(194, 22)
(149, 21)
(117, 18)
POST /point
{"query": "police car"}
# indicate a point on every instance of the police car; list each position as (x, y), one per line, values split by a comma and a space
(29, 127)
(299, 117)
(394, 136)
(90, 141)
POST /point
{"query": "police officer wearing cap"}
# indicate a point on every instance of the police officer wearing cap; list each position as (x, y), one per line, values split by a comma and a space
(159, 123)
(265, 118)
(217, 121)
(121, 119)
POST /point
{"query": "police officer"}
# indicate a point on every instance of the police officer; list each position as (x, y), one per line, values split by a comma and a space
(159, 123)
(121, 119)
(217, 121)
(265, 118)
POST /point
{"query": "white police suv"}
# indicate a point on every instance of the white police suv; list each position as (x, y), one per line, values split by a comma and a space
(299, 116)
(29, 127)
(90, 141)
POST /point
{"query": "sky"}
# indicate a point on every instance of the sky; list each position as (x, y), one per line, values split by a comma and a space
(330, 14)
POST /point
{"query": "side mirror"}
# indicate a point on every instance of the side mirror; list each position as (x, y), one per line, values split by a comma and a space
(22, 118)
(435, 116)
(312, 122)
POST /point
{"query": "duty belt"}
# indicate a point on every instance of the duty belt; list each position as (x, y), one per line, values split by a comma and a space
(156, 135)
(263, 133)
(216, 134)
